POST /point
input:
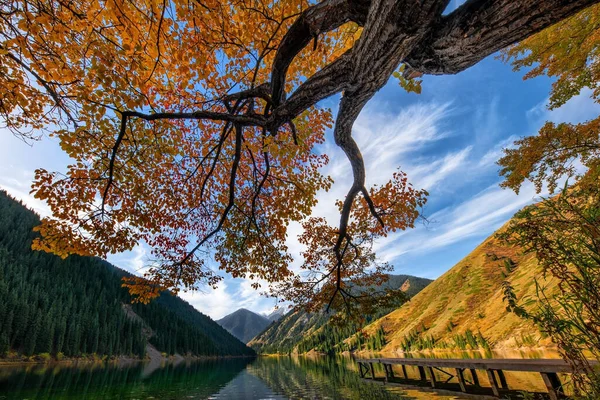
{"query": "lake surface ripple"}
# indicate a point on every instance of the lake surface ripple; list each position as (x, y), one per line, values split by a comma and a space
(260, 378)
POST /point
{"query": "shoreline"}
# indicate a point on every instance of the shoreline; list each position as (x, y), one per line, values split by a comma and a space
(176, 359)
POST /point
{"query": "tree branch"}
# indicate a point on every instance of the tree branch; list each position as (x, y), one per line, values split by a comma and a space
(481, 27)
(320, 18)
(242, 119)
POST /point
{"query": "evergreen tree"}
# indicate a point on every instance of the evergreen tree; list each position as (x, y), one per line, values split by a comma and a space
(75, 306)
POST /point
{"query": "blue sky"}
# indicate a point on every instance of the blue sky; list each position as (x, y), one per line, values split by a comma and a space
(447, 139)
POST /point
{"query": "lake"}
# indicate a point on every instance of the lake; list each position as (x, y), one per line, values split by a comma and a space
(259, 378)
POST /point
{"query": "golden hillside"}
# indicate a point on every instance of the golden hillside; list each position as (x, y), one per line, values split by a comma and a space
(468, 298)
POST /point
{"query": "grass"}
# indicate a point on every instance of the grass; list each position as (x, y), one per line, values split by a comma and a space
(418, 340)
(467, 298)
(525, 340)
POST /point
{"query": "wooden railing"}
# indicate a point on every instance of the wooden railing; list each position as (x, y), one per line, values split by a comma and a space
(548, 369)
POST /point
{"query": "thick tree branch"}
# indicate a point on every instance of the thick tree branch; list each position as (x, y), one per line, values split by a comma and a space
(330, 80)
(241, 119)
(481, 27)
(320, 18)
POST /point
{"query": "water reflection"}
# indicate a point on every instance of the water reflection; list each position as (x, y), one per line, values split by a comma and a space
(261, 378)
(317, 378)
(98, 381)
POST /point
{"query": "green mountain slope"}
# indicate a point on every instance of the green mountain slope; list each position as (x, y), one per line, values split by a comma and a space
(76, 306)
(464, 308)
(244, 324)
(299, 331)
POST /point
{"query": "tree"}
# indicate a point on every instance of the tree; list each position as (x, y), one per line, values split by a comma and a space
(563, 230)
(194, 125)
(564, 234)
(569, 52)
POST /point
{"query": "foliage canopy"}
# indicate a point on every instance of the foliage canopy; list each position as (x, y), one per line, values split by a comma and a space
(193, 125)
(563, 230)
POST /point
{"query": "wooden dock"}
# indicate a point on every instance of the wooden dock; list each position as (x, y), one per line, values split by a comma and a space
(494, 368)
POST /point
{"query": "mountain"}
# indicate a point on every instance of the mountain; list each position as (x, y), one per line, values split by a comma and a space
(299, 331)
(244, 324)
(464, 308)
(76, 306)
(276, 315)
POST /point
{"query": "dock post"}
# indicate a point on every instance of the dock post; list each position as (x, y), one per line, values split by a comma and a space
(493, 382)
(461, 379)
(404, 371)
(360, 370)
(390, 370)
(431, 377)
(503, 383)
(422, 373)
(552, 382)
(372, 371)
(475, 378)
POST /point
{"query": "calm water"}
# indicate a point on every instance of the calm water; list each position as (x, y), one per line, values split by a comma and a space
(260, 378)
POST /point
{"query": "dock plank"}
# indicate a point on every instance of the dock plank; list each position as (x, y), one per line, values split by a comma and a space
(548, 368)
(523, 365)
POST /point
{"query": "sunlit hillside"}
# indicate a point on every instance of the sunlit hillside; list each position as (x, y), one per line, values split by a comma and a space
(299, 331)
(464, 308)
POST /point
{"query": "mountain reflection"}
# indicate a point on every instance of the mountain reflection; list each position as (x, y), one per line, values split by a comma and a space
(241, 378)
(317, 378)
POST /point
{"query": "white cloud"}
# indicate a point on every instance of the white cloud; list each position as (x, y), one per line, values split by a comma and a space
(231, 295)
(17, 182)
(133, 261)
(215, 303)
(477, 217)
(386, 139)
(427, 175)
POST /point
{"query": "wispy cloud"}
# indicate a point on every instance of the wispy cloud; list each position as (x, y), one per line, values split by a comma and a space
(428, 174)
(385, 140)
(477, 217)
(495, 153)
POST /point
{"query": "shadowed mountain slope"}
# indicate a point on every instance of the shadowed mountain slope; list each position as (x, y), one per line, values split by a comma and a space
(77, 305)
(244, 324)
